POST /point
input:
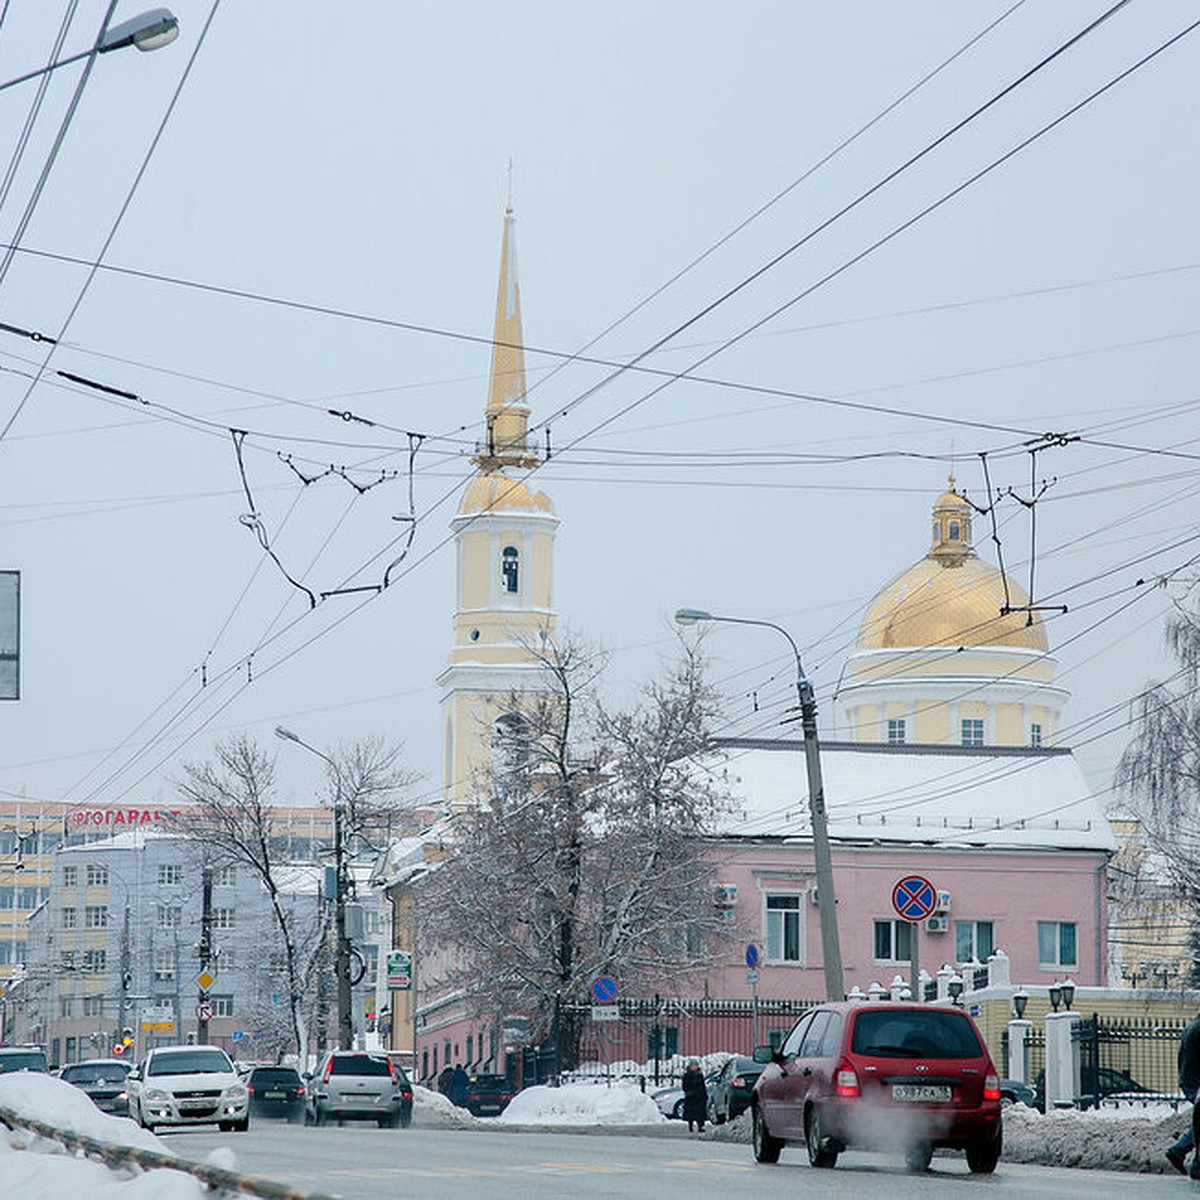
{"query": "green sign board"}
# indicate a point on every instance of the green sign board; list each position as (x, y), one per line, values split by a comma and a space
(399, 970)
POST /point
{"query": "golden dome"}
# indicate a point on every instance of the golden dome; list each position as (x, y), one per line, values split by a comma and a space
(950, 597)
(493, 491)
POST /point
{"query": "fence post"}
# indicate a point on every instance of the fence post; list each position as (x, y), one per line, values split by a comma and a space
(1062, 1060)
(1018, 1050)
(999, 970)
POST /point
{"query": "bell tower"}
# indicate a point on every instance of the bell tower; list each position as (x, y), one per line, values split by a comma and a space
(504, 538)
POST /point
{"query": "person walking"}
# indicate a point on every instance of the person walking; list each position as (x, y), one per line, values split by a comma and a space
(1189, 1084)
(445, 1079)
(459, 1085)
(695, 1097)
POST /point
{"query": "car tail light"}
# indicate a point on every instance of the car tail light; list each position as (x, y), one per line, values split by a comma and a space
(991, 1087)
(250, 1089)
(738, 1081)
(300, 1090)
(392, 1068)
(406, 1094)
(845, 1082)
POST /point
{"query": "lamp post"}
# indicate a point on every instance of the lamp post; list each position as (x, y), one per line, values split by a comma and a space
(153, 29)
(831, 950)
(342, 963)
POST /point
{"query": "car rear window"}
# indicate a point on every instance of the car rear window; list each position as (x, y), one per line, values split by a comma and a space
(22, 1060)
(359, 1064)
(932, 1033)
(274, 1077)
(96, 1073)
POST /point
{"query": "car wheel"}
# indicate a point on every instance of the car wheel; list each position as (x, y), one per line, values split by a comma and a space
(677, 1111)
(982, 1157)
(225, 1126)
(918, 1156)
(820, 1153)
(242, 1126)
(320, 1116)
(766, 1147)
(405, 1120)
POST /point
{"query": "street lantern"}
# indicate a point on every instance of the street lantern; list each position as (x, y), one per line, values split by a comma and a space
(831, 950)
(1020, 1001)
(342, 961)
(1056, 995)
(153, 29)
(1068, 993)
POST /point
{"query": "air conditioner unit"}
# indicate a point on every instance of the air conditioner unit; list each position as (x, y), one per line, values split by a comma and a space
(937, 924)
(814, 896)
(725, 895)
(943, 902)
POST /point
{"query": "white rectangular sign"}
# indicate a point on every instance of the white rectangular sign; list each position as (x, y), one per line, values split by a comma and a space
(606, 1012)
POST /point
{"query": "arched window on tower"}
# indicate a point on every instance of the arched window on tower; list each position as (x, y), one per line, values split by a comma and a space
(510, 571)
(954, 531)
(510, 742)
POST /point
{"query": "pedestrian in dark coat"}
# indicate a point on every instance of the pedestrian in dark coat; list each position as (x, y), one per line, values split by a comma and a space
(459, 1083)
(695, 1097)
(1189, 1083)
(445, 1079)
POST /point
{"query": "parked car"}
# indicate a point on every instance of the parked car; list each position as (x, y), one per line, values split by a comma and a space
(730, 1090)
(357, 1085)
(487, 1095)
(188, 1085)
(1013, 1091)
(277, 1092)
(875, 1075)
(104, 1081)
(670, 1099)
(1108, 1083)
(23, 1058)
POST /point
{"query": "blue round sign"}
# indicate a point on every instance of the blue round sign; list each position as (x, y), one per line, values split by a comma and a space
(752, 956)
(914, 898)
(604, 989)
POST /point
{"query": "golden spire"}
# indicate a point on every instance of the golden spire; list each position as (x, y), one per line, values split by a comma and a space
(505, 443)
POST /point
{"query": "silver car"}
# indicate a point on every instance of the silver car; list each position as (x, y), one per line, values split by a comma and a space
(188, 1085)
(355, 1085)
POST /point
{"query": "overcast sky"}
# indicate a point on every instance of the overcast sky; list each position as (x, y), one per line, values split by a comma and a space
(318, 227)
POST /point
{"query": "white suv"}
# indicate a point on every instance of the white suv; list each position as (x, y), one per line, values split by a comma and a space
(188, 1085)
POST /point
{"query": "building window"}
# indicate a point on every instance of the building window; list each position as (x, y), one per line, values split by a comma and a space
(95, 916)
(70, 876)
(223, 918)
(972, 731)
(93, 1006)
(222, 1005)
(170, 874)
(228, 957)
(895, 730)
(164, 964)
(225, 876)
(1056, 944)
(97, 875)
(784, 942)
(170, 916)
(66, 1006)
(509, 570)
(893, 942)
(1035, 734)
(95, 962)
(973, 940)
(70, 918)
(954, 529)
(67, 960)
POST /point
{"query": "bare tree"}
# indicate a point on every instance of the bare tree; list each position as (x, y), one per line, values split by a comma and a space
(586, 845)
(235, 818)
(1159, 774)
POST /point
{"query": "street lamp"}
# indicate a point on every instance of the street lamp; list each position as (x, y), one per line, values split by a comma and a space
(831, 950)
(342, 966)
(153, 29)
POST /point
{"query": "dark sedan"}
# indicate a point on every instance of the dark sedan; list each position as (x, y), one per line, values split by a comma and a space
(103, 1079)
(731, 1089)
(487, 1095)
(277, 1092)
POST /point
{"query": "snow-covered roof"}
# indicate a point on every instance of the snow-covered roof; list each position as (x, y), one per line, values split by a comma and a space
(944, 796)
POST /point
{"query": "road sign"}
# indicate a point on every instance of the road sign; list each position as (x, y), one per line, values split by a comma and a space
(205, 980)
(752, 956)
(205, 1010)
(606, 1012)
(399, 970)
(604, 989)
(914, 898)
(238, 1034)
(752, 976)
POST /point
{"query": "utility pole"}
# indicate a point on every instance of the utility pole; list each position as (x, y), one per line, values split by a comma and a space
(205, 954)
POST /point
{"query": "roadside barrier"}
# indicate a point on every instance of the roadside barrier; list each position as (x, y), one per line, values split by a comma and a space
(122, 1156)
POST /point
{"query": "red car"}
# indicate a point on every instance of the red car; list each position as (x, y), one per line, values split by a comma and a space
(906, 1076)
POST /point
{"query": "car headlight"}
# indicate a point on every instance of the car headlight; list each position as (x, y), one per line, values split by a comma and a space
(237, 1092)
(155, 1095)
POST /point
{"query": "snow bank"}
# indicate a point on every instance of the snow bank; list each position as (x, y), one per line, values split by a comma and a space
(432, 1108)
(582, 1104)
(39, 1167)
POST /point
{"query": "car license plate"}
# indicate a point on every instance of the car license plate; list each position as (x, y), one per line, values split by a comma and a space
(274, 1096)
(927, 1092)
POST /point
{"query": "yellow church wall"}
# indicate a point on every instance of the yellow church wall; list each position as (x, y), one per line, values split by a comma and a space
(541, 583)
(943, 662)
(931, 723)
(866, 723)
(1010, 725)
(476, 575)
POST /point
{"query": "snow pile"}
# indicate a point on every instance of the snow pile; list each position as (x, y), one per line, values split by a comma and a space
(582, 1104)
(432, 1108)
(38, 1167)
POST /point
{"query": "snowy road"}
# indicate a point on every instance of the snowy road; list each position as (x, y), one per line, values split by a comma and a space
(365, 1164)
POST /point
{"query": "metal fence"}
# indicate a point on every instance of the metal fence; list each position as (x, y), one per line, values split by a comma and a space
(1035, 1054)
(652, 1039)
(1129, 1056)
